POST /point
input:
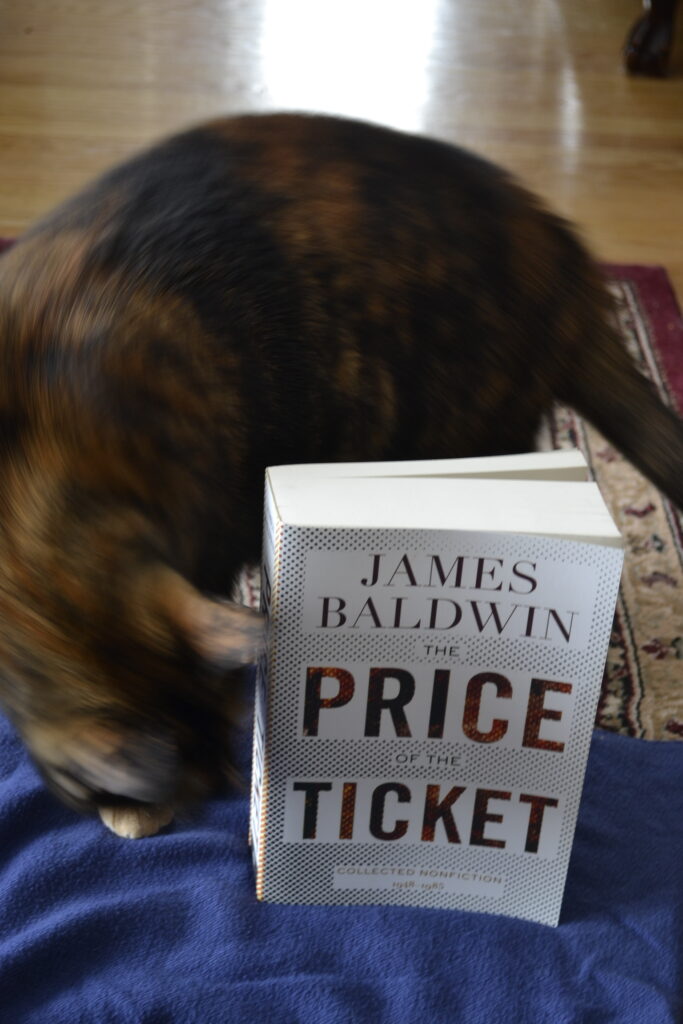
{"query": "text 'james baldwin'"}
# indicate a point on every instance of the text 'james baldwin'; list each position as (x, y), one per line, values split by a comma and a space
(478, 573)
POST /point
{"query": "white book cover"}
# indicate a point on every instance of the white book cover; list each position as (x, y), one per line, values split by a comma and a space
(425, 705)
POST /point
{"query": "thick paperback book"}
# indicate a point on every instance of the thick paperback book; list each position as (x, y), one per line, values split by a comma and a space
(436, 644)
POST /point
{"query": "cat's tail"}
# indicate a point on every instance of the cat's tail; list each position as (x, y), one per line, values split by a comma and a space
(626, 408)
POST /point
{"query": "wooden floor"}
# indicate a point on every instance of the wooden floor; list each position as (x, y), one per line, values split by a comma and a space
(535, 84)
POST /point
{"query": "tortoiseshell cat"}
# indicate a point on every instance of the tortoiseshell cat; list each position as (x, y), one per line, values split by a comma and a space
(261, 290)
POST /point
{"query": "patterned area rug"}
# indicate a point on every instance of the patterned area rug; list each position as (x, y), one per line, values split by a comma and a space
(643, 686)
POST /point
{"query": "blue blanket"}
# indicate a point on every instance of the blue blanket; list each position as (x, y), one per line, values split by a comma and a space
(167, 931)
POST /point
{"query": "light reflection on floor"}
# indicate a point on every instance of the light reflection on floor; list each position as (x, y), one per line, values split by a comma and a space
(362, 58)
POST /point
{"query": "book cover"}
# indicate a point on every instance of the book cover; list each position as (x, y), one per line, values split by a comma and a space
(424, 711)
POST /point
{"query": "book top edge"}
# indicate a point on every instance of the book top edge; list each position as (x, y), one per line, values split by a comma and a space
(561, 509)
(566, 464)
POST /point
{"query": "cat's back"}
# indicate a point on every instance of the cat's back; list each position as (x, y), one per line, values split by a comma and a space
(304, 184)
(343, 266)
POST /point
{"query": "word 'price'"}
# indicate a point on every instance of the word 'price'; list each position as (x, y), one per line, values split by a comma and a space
(379, 705)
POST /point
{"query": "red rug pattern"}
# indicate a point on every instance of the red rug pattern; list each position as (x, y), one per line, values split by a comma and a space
(643, 686)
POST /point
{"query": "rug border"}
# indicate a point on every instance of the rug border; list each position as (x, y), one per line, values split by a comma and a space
(659, 304)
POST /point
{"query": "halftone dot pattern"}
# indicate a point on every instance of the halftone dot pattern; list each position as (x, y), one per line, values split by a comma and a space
(302, 872)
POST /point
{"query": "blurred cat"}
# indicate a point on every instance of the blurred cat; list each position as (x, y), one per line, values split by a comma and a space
(260, 290)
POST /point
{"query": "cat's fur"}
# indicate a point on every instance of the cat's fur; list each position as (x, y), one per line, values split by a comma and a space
(262, 290)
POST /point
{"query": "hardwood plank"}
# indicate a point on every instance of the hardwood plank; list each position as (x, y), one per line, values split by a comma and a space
(538, 86)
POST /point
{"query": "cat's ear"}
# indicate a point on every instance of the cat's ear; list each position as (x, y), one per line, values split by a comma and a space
(224, 634)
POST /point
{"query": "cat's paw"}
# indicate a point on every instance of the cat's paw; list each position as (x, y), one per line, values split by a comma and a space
(136, 822)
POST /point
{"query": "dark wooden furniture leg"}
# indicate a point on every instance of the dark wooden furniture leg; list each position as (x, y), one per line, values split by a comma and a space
(648, 44)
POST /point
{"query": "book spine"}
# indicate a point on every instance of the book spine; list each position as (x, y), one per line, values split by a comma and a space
(270, 569)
